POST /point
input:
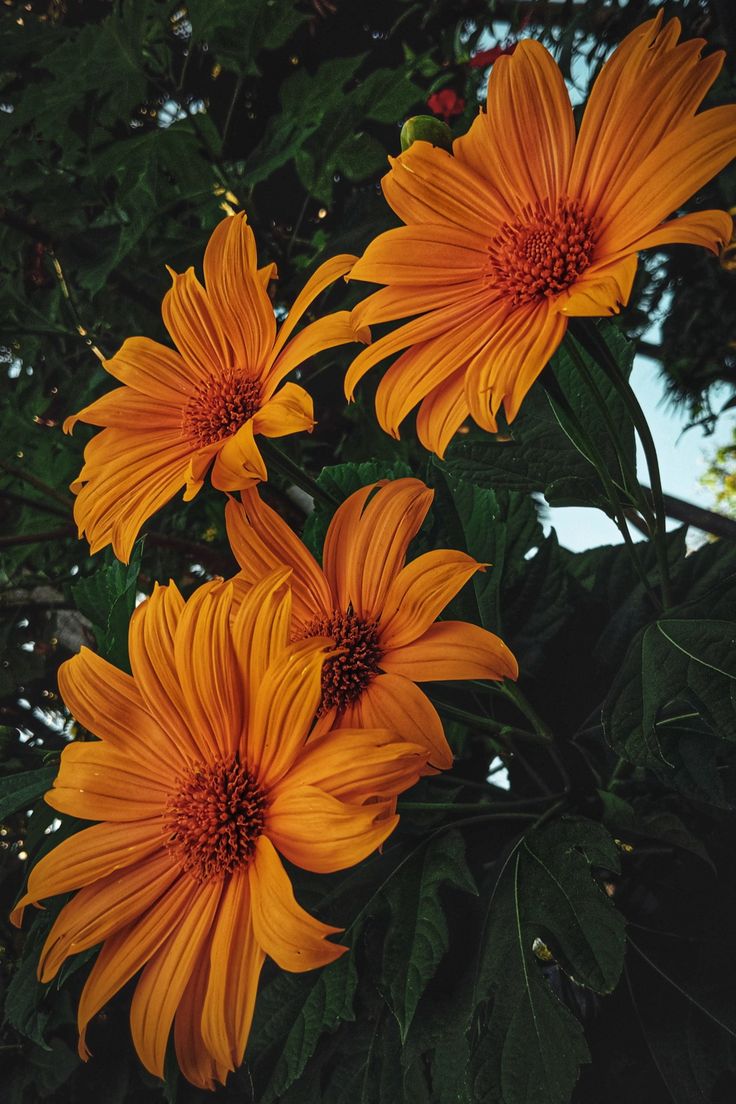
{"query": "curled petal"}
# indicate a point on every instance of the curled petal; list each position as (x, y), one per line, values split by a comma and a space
(239, 463)
(291, 410)
(293, 938)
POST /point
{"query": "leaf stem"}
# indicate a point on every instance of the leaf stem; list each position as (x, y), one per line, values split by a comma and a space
(513, 692)
(487, 723)
(460, 807)
(681, 991)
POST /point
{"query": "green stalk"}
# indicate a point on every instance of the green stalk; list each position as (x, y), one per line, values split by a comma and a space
(283, 464)
(591, 339)
(628, 470)
(487, 723)
(586, 447)
(514, 694)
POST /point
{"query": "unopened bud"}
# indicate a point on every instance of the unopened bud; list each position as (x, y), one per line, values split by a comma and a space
(425, 128)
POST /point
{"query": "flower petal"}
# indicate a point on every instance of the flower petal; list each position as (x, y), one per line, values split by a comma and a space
(97, 782)
(86, 857)
(165, 976)
(530, 120)
(373, 551)
(426, 366)
(109, 704)
(291, 410)
(668, 82)
(124, 953)
(208, 672)
(325, 275)
(416, 255)
(392, 701)
(505, 370)
(123, 407)
(359, 765)
(237, 293)
(195, 1060)
(239, 463)
(261, 628)
(325, 333)
(452, 650)
(196, 326)
(603, 290)
(236, 960)
(685, 159)
(285, 707)
(420, 592)
(428, 185)
(104, 907)
(154, 370)
(127, 476)
(151, 644)
(442, 413)
(317, 832)
(292, 938)
(469, 310)
(709, 229)
(262, 541)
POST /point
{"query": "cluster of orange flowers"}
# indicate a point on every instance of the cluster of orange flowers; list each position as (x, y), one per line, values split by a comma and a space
(278, 713)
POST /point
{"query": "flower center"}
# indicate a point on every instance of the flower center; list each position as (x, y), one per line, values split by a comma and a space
(542, 253)
(219, 407)
(345, 677)
(213, 820)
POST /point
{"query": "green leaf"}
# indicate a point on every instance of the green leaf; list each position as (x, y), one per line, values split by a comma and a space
(676, 672)
(19, 791)
(712, 643)
(360, 155)
(535, 454)
(532, 1045)
(323, 1002)
(418, 937)
(107, 598)
(25, 1006)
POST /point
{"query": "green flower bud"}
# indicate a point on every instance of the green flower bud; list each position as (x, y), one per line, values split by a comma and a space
(425, 128)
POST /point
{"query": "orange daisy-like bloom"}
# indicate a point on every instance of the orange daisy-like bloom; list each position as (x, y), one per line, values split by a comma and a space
(201, 777)
(377, 609)
(527, 224)
(179, 411)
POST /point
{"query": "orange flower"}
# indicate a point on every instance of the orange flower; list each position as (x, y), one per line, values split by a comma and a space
(179, 411)
(527, 225)
(200, 778)
(381, 612)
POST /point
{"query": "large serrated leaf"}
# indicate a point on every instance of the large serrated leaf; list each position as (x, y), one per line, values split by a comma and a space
(323, 1005)
(532, 1045)
(418, 936)
(107, 598)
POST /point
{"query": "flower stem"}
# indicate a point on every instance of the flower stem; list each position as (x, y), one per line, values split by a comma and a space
(290, 470)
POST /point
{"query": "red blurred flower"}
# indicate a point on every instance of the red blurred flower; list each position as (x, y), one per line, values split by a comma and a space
(487, 57)
(446, 103)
